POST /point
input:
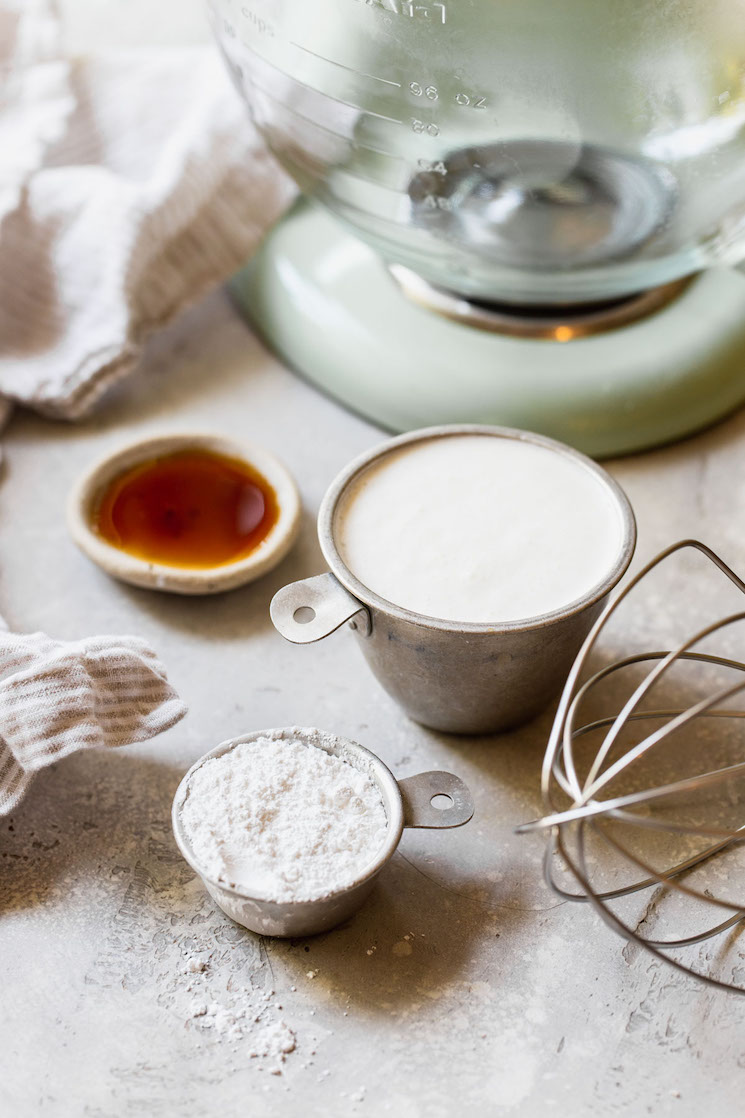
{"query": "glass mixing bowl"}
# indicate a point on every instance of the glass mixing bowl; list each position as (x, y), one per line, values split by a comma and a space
(513, 151)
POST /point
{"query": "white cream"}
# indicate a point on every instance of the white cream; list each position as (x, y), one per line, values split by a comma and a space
(478, 528)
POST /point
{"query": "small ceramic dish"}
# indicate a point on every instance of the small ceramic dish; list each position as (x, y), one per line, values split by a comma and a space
(409, 802)
(89, 490)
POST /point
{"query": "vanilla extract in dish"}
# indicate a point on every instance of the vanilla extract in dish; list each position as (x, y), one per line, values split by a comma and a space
(193, 508)
(479, 528)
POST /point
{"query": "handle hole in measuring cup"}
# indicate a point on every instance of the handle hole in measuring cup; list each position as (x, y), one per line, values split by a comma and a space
(442, 802)
(303, 615)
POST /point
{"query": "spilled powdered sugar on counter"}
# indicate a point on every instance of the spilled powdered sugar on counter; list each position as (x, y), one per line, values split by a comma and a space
(245, 1016)
(156, 947)
(283, 820)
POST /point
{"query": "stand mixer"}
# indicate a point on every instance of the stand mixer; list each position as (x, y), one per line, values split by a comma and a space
(520, 213)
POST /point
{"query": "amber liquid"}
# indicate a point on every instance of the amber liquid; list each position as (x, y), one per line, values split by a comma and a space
(190, 509)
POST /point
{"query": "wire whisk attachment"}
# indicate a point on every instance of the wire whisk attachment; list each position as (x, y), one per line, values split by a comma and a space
(621, 784)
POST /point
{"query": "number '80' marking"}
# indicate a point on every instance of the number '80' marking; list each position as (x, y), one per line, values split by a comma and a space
(422, 127)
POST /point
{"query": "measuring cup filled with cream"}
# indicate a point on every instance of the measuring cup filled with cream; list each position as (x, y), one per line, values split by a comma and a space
(471, 562)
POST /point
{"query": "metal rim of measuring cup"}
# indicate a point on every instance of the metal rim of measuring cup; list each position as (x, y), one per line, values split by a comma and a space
(397, 796)
(368, 597)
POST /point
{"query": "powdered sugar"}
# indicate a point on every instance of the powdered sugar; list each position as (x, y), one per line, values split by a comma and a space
(283, 820)
(270, 1040)
(244, 1018)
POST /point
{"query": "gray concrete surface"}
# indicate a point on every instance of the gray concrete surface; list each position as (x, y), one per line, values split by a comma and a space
(463, 985)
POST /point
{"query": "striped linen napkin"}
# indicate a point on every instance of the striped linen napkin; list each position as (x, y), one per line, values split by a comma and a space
(58, 697)
(130, 183)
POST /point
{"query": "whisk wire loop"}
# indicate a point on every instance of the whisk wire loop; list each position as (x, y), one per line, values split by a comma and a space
(582, 813)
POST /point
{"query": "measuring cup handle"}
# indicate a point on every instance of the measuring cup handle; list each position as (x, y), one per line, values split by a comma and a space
(309, 610)
(417, 793)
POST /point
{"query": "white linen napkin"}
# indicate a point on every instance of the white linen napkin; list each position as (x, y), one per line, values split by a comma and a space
(130, 182)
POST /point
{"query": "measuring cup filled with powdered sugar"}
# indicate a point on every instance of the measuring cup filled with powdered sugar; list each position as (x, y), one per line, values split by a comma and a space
(289, 828)
(471, 562)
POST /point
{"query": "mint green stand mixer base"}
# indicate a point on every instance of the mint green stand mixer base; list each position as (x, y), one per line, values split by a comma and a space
(330, 308)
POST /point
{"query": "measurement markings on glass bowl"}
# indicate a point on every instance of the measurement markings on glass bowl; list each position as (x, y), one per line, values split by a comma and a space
(336, 101)
(461, 98)
(322, 127)
(437, 202)
(257, 23)
(432, 13)
(434, 168)
(307, 165)
(423, 127)
(378, 151)
(349, 69)
(371, 112)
